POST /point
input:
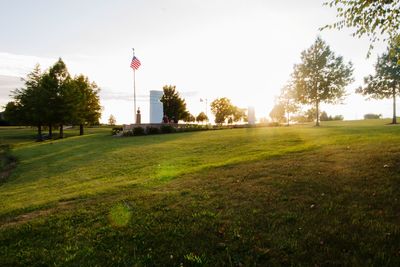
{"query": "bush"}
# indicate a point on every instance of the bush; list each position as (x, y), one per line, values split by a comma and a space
(167, 129)
(371, 116)
(116, 130)
(152, 130)
(128, 133)
(138, 131)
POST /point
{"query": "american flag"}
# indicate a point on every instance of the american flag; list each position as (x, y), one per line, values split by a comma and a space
(135, 63)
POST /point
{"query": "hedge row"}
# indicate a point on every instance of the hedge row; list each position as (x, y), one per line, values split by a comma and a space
(164, 129)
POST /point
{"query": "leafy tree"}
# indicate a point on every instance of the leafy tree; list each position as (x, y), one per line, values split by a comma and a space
(201, 117)
(321, 77)
(60, 97)
(222, 108)
(29, 106)
(86, 101)
(324, 116)
(238, 114)
(277, 113)
(173, 105)
(369, 18)
(288, 101)
(52, 98)
(189, 118)
(112, 120)
(385, 83)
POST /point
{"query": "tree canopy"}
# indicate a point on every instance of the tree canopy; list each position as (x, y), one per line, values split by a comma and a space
(174, 105)
(321, 76)
(374, 19)
(201, 117)
(385, 83)
(54, 98)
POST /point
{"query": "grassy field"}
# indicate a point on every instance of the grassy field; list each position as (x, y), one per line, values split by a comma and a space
(285, 196)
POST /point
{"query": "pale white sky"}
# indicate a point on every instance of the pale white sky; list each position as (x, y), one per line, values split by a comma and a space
(243, 50)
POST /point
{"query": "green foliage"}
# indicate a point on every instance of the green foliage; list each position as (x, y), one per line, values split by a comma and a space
(221, 108)
(224, 110)
(277, 113)
(385, 83)
(189, 118)
(152, 130)
(321, 77)
(371, 116)
(369, 18)
(324, 117)
(53, 97)
(202, 117)
(138, 131)
(173, 105)
(167, 129)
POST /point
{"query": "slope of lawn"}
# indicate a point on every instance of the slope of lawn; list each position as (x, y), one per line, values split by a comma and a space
(298, 195)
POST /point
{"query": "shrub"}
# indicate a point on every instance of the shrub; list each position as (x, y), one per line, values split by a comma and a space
(138, 131)
(116, 130)
(371, 116)
(167, 129)
(128, 133)
(152, 130)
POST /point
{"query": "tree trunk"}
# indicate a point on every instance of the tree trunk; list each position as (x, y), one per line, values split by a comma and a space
(40, 137)
(61, 131)
(317, 108)
(394, 121)
(50, 131)
(80, 129)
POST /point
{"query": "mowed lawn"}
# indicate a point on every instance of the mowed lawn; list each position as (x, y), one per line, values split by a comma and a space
(284, 196)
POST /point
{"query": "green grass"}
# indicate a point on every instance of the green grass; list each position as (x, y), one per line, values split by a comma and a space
(298, 195)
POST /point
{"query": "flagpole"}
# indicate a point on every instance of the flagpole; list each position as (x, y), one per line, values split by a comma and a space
(134, 91)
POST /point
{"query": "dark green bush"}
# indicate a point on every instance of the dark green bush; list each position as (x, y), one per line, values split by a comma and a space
(152, 130)
(167, 129)
(138, 131)
(128, 133)
(371, 116)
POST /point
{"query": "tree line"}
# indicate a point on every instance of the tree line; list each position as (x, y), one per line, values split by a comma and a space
(174, 107)
(322, 76)
(54, 98)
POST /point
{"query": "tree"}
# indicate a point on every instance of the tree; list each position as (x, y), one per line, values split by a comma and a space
(324, 116)
(52, 98)
(189, 118)
(111, 120)
(86, 102)
(201, 117)
(288, 101)
(29, 106)
(369, 18)
(222, 108)
(238, 114)
(385, 83)
(173, 105)
(59, 94)
(277, 113)
(321, 77)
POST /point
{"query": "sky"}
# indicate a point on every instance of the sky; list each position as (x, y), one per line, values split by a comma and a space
(243, 50)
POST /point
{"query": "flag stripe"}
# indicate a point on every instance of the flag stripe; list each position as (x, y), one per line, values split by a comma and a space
(135, 63)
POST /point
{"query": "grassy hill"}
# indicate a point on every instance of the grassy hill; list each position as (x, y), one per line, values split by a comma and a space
(297, 195)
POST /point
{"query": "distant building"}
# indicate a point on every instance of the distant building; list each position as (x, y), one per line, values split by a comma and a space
(156, 107)
(251, 115)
